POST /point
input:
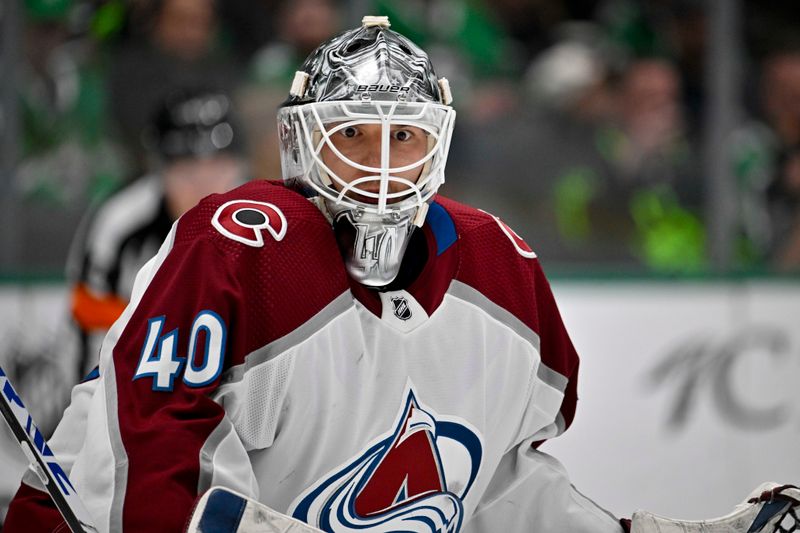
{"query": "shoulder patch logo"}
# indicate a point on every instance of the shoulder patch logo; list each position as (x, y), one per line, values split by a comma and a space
(244, 221)
(521, 246)
(401, 309)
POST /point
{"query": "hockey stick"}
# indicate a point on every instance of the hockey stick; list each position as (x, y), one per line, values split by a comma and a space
(222, 510)
(42, 460)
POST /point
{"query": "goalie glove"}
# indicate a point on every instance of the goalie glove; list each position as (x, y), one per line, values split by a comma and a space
(771, 508)
(222, 510)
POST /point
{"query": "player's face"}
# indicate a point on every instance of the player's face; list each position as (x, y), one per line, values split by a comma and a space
(362, 144)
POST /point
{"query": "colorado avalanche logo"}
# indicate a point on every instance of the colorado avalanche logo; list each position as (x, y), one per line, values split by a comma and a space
(245, 220)
(414, 479)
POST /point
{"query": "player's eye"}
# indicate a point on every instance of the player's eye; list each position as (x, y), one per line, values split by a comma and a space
(350, 132)
(402, 135)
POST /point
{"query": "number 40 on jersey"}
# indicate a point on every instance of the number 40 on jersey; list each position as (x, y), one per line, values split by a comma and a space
(160, 360)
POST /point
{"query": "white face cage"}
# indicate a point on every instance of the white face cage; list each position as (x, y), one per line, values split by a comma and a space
(306, 129)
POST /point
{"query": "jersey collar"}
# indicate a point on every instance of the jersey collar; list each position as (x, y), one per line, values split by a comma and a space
(406, 308)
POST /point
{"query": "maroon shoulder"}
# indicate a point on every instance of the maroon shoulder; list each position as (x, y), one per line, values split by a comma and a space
(496, 262)
(466, 217)
(282, 210)
(280, 249)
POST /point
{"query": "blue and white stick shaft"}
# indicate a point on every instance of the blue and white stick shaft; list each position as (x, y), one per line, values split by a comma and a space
(42, 460)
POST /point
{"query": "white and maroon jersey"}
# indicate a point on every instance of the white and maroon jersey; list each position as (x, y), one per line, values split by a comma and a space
(248, 359)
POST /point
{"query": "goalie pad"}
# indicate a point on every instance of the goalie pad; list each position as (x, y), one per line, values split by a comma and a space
(222, 510)
(771, 508)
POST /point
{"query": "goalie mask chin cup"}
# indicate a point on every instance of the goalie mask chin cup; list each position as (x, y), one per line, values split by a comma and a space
(367, 76)
(372, 245)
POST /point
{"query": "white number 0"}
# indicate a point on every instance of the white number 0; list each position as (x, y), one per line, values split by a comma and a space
(160, 361)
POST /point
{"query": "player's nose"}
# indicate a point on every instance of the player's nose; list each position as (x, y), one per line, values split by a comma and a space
(370, 154)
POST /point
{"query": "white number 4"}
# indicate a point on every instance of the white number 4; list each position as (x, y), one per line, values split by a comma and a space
(160, 361)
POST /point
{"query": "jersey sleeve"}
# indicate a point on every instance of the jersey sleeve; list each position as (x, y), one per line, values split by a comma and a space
(496, 262)
(158, 430)
(32, 509)
(152, 428)
(559, 361)
(530, 490)
(153, 434)
(163, 425)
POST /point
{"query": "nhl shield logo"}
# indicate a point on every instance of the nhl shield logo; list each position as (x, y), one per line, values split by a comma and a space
(401, 309)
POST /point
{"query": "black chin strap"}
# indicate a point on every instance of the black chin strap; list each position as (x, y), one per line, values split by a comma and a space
(414, 261)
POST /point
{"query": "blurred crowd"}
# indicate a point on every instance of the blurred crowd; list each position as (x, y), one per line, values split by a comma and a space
(580, 122)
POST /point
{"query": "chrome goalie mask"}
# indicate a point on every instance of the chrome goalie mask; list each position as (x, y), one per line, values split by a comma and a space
(368, 83)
